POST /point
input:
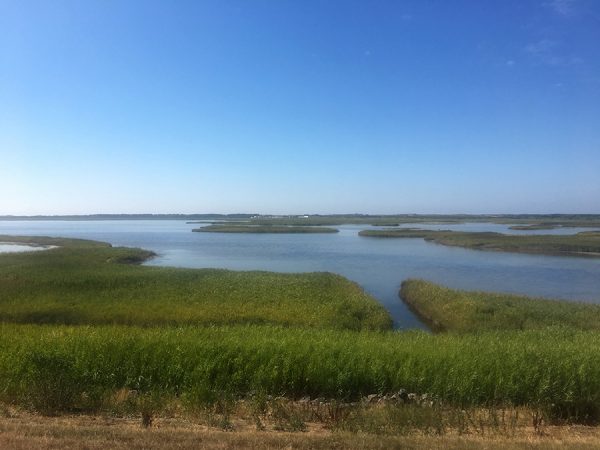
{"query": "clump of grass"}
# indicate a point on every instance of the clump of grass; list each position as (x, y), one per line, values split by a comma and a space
(286, 416)
(258, 409)
(455, 310)
(148, 405)
(396, 419)
(51, 382)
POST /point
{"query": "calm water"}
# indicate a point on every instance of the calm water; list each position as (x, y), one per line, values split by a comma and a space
(378, 265)
(18, 248)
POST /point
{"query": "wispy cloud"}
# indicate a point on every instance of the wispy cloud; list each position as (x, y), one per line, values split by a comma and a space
(562, 7)
(548, 52)
(543, 52)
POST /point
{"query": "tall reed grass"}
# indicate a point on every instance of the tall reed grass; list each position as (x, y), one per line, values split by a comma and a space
(65, 367)
(461, 311)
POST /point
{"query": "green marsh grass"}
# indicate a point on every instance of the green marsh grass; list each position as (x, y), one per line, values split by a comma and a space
(77, 368)
(84, 282)
(262, 229)
(535, 226)
(81, 325)
(446, 309)
(580, 244)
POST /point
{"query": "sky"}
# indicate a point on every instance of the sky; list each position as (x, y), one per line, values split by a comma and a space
(294, 107)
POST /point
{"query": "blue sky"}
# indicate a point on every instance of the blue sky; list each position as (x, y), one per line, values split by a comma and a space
(299, 106)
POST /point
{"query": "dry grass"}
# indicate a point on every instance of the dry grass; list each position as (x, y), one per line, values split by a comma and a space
(25, 431)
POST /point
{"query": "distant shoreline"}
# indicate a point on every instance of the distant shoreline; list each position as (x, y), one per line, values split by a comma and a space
(527, 219)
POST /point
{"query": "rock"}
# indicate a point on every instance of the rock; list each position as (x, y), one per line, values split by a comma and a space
(372, 398)
(427, 400)
(402, 395)
(318, 401)
(383, 398)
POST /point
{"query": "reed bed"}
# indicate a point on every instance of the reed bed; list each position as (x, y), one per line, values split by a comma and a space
(79, 367)
(83, 282)
(84, 328)
(445, 309)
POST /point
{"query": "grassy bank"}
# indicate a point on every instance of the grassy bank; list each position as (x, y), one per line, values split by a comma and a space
(86, 282)
(264, 229)
(580, 244)
(455, 310)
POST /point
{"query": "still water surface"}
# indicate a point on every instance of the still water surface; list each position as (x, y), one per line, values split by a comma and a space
(19, 248)
(378, 265)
